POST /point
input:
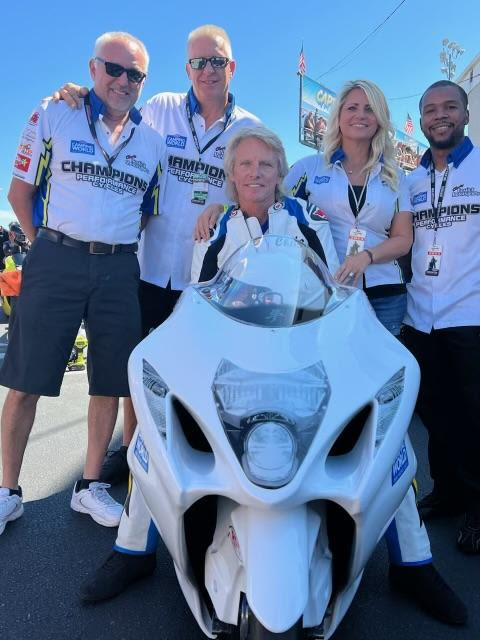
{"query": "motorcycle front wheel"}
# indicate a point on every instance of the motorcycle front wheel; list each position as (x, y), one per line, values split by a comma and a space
(249, 628)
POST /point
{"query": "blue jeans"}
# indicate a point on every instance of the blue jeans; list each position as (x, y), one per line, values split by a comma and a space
(390, 310)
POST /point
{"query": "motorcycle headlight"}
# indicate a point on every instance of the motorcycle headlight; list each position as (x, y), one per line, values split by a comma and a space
(270, 453)
(155, 390)
(270, 419)
(388, 399)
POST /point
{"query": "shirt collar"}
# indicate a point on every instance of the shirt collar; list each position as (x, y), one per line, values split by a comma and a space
(457, 156)
(196, 107)
(98, 109)
(339, 155)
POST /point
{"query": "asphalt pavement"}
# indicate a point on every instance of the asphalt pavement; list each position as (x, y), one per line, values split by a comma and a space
(46, 554)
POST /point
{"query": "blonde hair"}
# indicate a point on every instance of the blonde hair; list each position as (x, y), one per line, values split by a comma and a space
(211, 31)
(271, 140)
(111, 36)
(381, 146)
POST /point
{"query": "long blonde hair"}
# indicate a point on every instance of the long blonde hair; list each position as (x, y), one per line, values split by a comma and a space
(381, 146)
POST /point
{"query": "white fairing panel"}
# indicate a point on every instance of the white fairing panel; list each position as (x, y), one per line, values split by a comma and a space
(271, 543)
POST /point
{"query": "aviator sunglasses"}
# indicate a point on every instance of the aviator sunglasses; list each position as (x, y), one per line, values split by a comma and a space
(217, 62)
(115, 70)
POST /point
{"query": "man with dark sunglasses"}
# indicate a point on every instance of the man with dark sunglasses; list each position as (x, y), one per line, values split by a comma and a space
(196, 126)
(81, 179)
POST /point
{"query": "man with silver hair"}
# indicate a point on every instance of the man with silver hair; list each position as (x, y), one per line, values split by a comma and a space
(196, 126)
(77, 194)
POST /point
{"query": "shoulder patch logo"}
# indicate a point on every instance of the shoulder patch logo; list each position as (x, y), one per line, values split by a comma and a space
(22, 162)
(179, 142)
(34, 118)
(80, 146)
(418, 198)
(321, 179)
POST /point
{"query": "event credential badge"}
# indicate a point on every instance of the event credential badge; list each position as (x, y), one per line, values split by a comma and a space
(356, 241)
(199, 188)
(434, 258)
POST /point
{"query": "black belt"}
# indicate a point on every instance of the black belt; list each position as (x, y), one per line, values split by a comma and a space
(95, 248)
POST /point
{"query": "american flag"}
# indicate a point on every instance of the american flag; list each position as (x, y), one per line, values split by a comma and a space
(408, 128)
(302, 67)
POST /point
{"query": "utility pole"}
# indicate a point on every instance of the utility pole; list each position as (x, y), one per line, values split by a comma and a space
(448, 55)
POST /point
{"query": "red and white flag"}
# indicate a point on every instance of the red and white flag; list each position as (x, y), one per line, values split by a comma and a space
(302, 67)
(408, 128)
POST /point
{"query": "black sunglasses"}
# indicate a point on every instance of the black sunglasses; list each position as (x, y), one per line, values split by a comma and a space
(217, 62)
(115, 70)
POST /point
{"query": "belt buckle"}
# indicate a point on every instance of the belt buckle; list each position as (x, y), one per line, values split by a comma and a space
(91, 249)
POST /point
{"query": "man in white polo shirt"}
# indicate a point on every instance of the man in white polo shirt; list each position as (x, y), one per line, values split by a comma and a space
(196, 127)
(442, 325)
(81, 180)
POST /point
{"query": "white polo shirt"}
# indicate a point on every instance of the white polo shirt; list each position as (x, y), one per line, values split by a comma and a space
(451, 299)
(166, 246)
(312, 179)
(77, 192)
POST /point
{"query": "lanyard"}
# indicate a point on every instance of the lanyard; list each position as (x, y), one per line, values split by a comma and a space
(436, 208)
(109, 159)
(194, 133)
(358, 201)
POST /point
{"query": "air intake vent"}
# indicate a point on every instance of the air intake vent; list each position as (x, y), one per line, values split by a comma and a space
(191, 430)
(351, 433)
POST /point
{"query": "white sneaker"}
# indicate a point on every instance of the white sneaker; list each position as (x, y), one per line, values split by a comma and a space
(11, 507)
(97, 503)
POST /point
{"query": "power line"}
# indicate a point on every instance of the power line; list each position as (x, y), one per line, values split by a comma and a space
(379, 26)
(415, 95)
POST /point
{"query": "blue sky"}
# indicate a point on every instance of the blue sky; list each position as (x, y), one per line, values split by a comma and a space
(42, 45)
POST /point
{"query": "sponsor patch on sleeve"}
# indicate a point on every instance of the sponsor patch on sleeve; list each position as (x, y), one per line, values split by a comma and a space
(141, 453)
(179, 142)
(321, 179)
(22, 163)
(34, 118)
(418, 198)
(400, 464)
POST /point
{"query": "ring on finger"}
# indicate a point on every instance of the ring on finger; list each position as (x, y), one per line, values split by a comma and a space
(351, 274)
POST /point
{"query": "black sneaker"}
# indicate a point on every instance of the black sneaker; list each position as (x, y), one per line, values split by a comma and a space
(115, 467)
(436, 504)
(468, 539)
(425, 586)
(117, 572)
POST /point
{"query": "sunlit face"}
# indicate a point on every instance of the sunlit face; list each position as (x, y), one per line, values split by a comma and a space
(357, 120)
(118, 94)
(443, 117)
(210, 85)
(255, 173)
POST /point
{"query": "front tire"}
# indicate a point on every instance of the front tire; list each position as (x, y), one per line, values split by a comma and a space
(249, 628)
(258, 632)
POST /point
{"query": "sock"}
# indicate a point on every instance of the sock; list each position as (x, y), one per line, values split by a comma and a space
(84, 483)
(14, 492)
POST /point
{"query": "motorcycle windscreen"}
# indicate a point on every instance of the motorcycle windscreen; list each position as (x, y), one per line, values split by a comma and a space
(273, 281)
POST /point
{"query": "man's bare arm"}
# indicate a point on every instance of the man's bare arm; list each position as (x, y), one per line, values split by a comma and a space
(21, 196)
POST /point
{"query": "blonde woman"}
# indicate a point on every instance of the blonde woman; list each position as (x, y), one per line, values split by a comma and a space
(362, 191)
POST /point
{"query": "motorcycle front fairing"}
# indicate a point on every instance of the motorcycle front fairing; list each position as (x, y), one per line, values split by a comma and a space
(273, 542)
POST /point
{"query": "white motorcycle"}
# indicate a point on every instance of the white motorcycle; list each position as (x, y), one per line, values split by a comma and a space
(272, 447)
